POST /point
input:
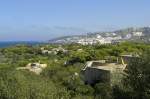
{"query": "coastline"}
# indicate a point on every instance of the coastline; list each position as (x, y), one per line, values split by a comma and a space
(4, 44)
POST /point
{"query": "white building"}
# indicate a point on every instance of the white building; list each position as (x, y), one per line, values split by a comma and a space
(99, 36)
(128, 36)
(137, 33)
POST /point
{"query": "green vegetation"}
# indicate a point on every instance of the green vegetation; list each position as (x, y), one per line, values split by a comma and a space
(63, 81)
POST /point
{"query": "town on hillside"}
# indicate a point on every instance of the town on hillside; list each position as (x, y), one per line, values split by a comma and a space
(130, 34)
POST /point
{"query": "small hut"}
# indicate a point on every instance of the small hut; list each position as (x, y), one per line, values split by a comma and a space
(100, 71)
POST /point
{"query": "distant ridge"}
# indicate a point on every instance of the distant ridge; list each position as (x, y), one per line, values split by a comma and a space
(124, 34)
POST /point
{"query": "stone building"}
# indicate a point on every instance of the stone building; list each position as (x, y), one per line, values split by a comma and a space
(100, 71)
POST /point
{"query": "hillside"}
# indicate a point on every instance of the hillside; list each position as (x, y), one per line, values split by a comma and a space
(129, 34)
(24, 77)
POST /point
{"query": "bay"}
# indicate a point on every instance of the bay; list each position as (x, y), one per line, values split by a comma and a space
(13, 43)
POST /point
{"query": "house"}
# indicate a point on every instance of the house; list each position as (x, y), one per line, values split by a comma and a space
(104, 72)
(128, 36)
(137, 34)
(101, 71)
(46, 52)
(53, 51)
(59, 49)
(79, 50)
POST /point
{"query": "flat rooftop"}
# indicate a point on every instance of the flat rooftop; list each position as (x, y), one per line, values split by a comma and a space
(104, 66)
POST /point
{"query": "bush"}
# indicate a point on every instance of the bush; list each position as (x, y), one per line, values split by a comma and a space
(25, 85)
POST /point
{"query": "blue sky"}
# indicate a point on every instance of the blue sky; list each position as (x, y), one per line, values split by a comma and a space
(45, 19)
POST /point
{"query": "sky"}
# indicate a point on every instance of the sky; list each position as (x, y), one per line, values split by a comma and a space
(40, 20)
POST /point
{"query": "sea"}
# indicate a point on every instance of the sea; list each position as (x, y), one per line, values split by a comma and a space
(13, 43)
